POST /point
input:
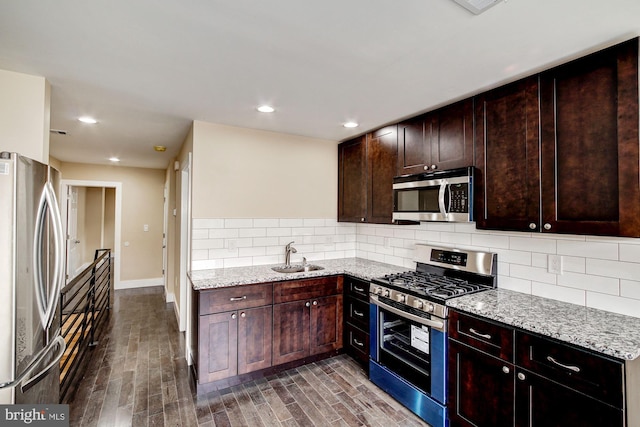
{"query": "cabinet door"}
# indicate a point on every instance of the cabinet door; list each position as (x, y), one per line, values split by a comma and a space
(589, 110)
(452, 141)
(542, 402)
(507, 160)
(382, 155)
(254, 339)
(217, 355)
(326, 324)
(352, 180)
(414, 145)
(290, 331)
(480, 388)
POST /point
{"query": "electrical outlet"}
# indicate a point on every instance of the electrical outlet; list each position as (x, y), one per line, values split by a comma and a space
(554, 264)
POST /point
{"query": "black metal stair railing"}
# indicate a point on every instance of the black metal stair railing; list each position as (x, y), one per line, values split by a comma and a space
(85, 304)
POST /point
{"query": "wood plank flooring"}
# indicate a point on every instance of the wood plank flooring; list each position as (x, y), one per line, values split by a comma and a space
(138, 377)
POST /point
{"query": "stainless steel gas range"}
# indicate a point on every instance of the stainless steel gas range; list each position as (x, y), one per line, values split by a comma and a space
(408, 344)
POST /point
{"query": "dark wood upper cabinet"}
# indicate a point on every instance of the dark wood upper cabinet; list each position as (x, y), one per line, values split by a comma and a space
(559, 152)
(352, 180)
(441, 139)
(382, 154)
(507, 190)
(366, 167)
(589, 140)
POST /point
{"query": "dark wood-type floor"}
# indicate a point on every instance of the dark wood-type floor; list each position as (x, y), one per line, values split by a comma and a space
(138, 376)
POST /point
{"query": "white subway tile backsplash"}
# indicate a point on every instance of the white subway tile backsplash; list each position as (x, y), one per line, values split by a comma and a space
(622, 270)
(238, 223)
(266, 223)
(606, 285)
(630, 289)
(546, 246)
(588, 249)
(573, 296)
(601, 272)
(630, 253)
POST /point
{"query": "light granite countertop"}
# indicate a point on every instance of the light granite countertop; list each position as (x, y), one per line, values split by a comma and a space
(223, 277)
(605, 332)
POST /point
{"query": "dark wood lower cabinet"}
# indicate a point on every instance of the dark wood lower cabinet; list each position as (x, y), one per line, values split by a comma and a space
(542, 402)
(544, 383)
(218, 347)
(290, 331)
(254, 339)
(480, 389)
(306, 328)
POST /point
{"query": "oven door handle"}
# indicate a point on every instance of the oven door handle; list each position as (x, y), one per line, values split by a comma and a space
(437, 325)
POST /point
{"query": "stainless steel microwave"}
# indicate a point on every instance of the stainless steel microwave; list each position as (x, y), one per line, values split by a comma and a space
(437, 196)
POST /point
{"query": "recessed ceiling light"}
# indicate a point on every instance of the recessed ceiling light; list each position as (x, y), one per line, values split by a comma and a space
(350, 125)
(87, 119)
(266, 109)
(114, 159)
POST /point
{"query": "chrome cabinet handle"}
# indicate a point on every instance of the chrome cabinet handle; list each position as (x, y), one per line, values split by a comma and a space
(486, 336)
(547, 226)
(234, 315)
(315, 303)
(243, 297)
(506, 369)
(357, 313)
(532, 226)
(307, 304)
(569, 367)
(521, 376)
(358, 343)
(243, 314)
(357, 289)
(362, 219)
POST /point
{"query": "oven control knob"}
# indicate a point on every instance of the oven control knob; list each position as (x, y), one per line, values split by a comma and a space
(386, 293)
(418, 304)
(402, 298)
(430, 308)
(377, 290)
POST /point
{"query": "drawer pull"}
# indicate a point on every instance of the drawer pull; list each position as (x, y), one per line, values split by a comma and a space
(569, 367)
(357, 289)
(243, 297)
(485, 336)
(358, 343)
(357, 313)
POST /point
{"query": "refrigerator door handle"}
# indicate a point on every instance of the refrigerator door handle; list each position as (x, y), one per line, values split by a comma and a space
(48, 203)
(62, 347)
(37, 360)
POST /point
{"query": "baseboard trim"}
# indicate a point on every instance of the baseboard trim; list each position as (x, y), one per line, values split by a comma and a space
(177, 311)
(169, 297)
(141, 283)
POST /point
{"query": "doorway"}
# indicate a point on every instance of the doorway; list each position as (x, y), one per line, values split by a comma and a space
(92, 211)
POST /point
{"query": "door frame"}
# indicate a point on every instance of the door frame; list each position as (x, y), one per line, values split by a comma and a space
(185, 255)
(115, 251)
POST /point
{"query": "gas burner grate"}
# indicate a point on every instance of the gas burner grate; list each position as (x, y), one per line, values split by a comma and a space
(427, 284)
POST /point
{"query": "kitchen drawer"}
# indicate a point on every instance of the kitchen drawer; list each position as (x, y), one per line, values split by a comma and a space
(297, 290)
(235, 298)
(356, 288)
(581, 370)
(357, 343)
(490, 337)
(357, 312)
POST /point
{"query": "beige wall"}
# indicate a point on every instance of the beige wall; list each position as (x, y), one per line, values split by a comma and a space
(93, 212)
(142, 203)
(109, 217)
(25, 115)
(247, 173)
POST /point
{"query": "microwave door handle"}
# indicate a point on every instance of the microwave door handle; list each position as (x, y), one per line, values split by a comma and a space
(444, 210)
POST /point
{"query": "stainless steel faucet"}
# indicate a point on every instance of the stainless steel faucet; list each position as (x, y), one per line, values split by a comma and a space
(288, 250)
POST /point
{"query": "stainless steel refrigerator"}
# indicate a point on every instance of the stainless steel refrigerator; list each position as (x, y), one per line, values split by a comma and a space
(31, 276)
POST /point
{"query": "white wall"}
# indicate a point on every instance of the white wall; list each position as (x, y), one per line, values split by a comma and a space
(25, 115)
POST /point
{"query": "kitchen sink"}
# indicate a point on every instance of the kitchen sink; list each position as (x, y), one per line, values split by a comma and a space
(296, 268)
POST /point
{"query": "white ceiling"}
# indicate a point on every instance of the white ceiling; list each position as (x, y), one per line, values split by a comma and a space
(146, 68)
